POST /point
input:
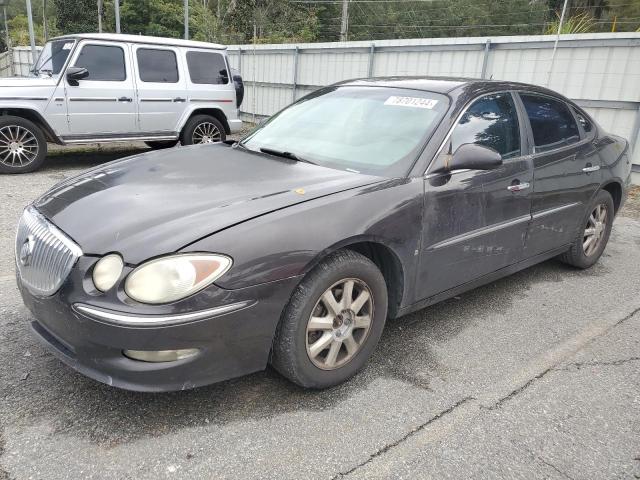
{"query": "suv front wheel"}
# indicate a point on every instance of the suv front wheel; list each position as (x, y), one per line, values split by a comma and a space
(202, 129)
(23, 146)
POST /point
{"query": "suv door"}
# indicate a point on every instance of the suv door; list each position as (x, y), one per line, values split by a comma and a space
(475, 221)
(162, 94)
(102, 105)
(566, 172)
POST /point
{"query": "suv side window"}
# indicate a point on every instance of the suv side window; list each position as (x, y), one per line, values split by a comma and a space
(158, 66)
(551, 121)
(207, 68)
(104, 62)
(492, 121)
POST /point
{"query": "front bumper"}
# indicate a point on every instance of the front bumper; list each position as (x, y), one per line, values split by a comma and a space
(231, 343)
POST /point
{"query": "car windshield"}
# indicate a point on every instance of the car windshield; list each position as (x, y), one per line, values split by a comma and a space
(373, 130)
(53, 57)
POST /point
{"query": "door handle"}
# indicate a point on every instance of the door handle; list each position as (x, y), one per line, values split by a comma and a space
(518, 187)
(590, 168)
(125, 99)
(178, 99)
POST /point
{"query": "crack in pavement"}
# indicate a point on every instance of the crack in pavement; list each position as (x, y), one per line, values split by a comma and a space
(549, 464)
(518, 390)
(409, 434)
(579, 365)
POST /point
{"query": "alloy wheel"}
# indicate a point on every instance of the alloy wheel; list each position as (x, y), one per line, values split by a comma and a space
(595, 229)
(339, 324)
(206, 132)
(18, 146)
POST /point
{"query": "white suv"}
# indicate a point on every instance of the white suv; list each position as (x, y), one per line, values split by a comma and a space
(108, 88)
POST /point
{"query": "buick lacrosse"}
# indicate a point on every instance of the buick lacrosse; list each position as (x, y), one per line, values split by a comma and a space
(363, 201)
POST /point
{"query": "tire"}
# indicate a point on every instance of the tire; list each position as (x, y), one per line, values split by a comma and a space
(200, 124)
(583, 254)
(23, 146)
(157, 145)
(295, 335)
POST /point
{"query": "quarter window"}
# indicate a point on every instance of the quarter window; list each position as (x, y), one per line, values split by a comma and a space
(103, 62)
(158, 66)
(207, 68)
(491, 121)
(584, 121)
(551, 121)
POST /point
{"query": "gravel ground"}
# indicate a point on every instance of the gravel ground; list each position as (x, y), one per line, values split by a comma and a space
(534, 376)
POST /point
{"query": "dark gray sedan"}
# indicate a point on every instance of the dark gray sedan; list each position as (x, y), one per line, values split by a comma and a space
(363, 201)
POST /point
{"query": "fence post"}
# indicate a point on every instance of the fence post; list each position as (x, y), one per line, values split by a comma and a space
(372, 52)
(295, 74)
(485, 58)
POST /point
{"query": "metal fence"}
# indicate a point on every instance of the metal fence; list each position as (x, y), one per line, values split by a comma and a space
(17, 62)
(601, 72)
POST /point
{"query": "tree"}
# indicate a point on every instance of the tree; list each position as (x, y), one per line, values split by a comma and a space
(78, 16)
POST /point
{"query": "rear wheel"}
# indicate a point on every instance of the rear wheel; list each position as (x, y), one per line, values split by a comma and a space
(23, 146)
(202, 129)
(594, 233)
(157, 145)
(332, 322)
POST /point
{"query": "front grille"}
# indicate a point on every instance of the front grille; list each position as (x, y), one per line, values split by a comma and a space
(44, 254)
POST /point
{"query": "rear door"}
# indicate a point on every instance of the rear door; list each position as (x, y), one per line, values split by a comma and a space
(162, 95)
(566, 172)
(475, 221)
(102, 105)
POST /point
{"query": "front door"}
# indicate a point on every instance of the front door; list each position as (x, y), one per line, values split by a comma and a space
(475, 222)
(103, 104)
(566, 172)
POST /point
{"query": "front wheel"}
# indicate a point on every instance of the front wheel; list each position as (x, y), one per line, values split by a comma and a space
(23, 146)
(332, 323)
(594, 233)
(202, 129)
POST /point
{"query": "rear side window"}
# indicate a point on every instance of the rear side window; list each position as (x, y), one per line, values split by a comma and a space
(158, 66)
(552, 123)
(491, 121)
(584, 121)
(104, 62)
(207, 68)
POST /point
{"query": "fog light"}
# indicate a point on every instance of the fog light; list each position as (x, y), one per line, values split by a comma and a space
(160, 355)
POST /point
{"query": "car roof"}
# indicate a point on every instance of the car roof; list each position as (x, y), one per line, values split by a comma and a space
(121, 37)
(447, 84)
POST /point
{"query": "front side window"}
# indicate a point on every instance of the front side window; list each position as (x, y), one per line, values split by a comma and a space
(374, 130)
(207, 68)
(158, 66)
(551, 121)
(491, 121)
(103, 62)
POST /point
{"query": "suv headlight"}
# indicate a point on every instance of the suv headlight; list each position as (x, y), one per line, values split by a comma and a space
(168, 279)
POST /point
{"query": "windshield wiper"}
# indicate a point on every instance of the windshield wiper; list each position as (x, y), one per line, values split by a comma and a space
(289, 155)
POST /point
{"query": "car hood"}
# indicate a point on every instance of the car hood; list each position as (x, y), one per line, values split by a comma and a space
(27, 82)
(159, 202)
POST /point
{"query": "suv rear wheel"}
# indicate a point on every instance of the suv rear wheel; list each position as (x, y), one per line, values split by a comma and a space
(23, 146)
(202, 129)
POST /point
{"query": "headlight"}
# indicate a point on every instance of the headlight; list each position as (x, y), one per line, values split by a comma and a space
(107, 271)
(167, 279)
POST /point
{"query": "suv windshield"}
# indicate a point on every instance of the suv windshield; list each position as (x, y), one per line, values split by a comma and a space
(53, 57)
(373, 130)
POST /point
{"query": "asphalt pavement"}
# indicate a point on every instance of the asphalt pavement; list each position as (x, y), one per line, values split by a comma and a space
(534, 376)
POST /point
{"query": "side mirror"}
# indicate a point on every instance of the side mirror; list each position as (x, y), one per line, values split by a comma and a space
(474, 157)
(76, 73)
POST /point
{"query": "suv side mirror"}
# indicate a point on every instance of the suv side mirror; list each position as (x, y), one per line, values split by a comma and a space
(76, 73)
(474, 157)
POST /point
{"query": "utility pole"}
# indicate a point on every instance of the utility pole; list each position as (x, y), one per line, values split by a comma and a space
(186, 19)
(6, 25)
(44, 20)
(117, 5)
(100, 16)
(555, 45)
(32, 39)
(344, 27)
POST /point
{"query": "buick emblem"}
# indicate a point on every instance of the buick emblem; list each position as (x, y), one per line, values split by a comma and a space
(26, 252)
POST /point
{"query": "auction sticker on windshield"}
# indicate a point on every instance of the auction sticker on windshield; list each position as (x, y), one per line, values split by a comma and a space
(415, 102)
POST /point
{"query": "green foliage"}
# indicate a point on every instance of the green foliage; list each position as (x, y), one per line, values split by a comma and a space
(77, 16)
(581, 23)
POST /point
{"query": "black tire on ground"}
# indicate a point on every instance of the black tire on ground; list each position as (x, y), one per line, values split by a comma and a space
(576, 255)
(289, 355)
(23, 146)
(156, 145)
(205, 122)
